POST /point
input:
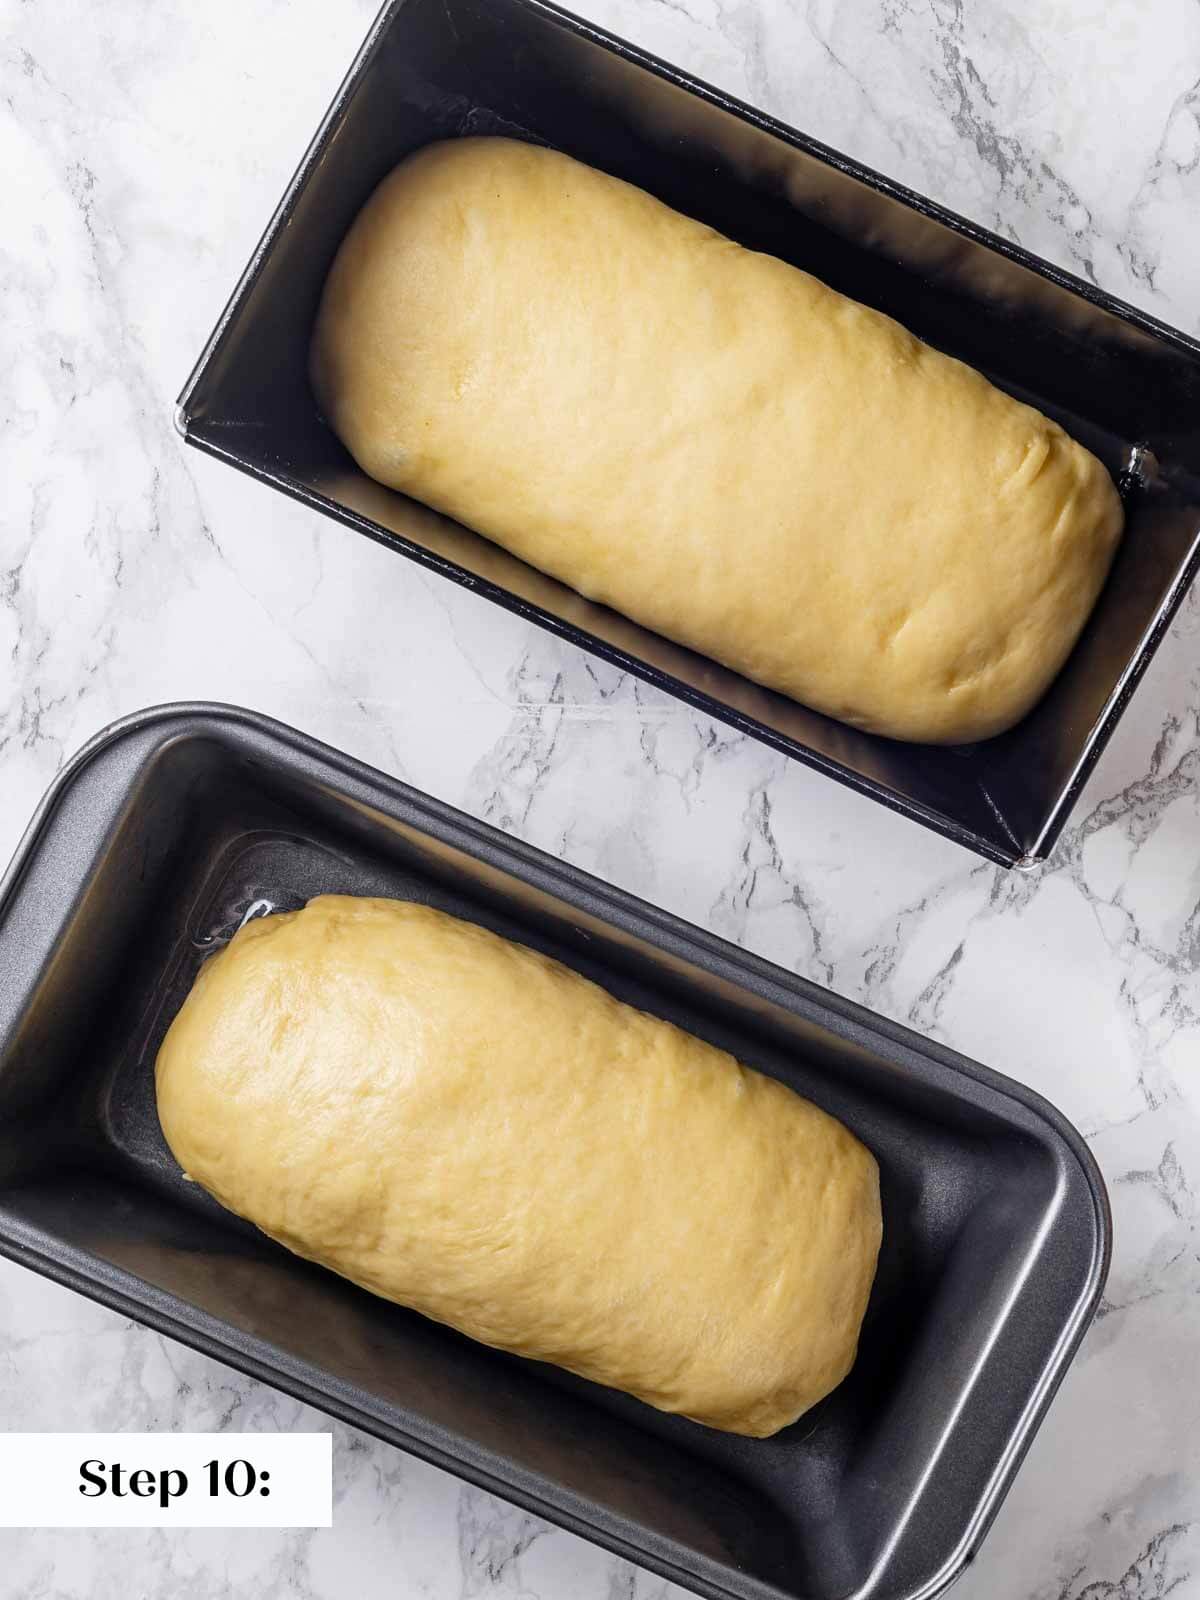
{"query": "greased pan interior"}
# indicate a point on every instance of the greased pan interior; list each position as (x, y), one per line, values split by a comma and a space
(1123, 384)
(173, 826)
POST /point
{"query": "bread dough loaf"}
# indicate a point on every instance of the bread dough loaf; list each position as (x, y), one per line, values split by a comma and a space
(463, 1126)
(710, 441)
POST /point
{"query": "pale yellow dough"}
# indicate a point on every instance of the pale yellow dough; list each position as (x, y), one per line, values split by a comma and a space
(710, 441)
(468, 1128)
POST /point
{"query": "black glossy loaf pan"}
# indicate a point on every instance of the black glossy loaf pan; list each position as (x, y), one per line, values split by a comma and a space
(167, 831)
(1117, 379)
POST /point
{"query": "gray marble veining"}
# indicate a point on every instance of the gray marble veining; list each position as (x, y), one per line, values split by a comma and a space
(142, 148)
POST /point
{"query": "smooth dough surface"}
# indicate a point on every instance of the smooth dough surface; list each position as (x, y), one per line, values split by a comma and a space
(461, 1125)
(710, 441)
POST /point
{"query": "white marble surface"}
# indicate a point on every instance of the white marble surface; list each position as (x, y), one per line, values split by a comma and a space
(141, 149)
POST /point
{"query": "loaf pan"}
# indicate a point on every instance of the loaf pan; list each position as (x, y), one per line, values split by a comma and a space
(173, 827)
(1125, 385)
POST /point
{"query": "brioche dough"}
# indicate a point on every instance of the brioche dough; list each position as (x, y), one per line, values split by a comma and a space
(464, 1126)
(710, 441)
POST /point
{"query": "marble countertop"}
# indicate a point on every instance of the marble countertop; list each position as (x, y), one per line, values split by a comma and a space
(143, 147)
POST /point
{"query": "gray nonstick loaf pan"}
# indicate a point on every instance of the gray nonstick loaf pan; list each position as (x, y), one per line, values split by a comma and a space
(170, 828)
(1125, 385)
